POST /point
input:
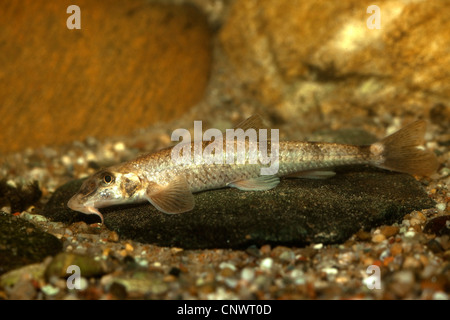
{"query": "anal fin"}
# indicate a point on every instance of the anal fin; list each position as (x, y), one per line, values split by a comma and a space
(260, 183)
(176, 197)
(313, 174)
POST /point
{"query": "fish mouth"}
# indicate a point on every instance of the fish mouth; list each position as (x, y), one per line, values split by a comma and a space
(77, 205)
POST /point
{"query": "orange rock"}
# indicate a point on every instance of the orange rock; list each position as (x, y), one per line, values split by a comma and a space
(313, 59)
(131, 64)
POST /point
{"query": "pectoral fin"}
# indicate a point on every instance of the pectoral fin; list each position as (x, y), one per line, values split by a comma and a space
(256, 184)
(176, 197)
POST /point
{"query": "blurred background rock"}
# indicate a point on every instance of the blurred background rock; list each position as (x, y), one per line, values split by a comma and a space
(307, 64)
(132, 63)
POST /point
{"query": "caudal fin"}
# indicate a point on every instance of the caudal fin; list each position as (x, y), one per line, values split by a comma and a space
(403, 151)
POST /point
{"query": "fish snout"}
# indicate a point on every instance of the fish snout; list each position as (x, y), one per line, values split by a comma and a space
(75, 203)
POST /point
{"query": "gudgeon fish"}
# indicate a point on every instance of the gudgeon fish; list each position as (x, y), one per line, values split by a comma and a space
(169, 185)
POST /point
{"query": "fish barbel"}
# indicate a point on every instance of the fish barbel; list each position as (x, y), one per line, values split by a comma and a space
(169, 185)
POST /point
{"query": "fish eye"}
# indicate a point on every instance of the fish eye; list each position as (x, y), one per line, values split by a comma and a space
(107, 178)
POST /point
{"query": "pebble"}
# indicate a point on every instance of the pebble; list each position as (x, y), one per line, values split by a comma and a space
(230, 282)
(128, 247)
(441, 206)
(227, 265)
(396, 249)
(248, 274)
(415, 222)
(377, 238)
(113, 236)
(298, 276)
(346, 258)
(410, 233)
(411, 263)
(49, 290)
(363, 235)
(254, 251)
(439, 295)
(265, 249)
(266, 264)
(59, 265)
(330, 271)
(389, 231)
(226, 272)
(318, 246)
(287, 255)
(119, 147)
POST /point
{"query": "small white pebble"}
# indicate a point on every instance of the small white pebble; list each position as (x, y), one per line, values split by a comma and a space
(266, 264)
(404, 276)
(330, 271)
(318, 246)
(80, 161)
(119, 147)
(441, 206)
(49, 290)
(298, 276)
(90, 156)
(6, 209)
(247, 274)
(230, 282)
(83, 284)
(439, 295)
(410, 233)
(228, 265)
(66, 160)
(142, 262)
(11, 183)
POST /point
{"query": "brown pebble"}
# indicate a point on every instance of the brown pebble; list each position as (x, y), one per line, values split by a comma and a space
(169, 278)
(445, 242)
(389, 231)
(411, 262)
(226, 272)
(396, 249)
(434, 246)
(438, 226)
(265, 249)
(378, 238)
(113, 236)
(363, 235)
(207, 289)
(118, 290)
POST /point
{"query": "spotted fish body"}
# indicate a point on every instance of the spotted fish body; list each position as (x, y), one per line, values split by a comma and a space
(168, 185)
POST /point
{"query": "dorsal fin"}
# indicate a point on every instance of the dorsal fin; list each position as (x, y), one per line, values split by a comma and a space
(254, 122)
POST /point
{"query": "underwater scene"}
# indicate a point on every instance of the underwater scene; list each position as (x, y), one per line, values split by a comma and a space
(224, 150)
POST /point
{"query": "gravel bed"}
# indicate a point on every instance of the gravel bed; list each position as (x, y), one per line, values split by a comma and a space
(413, 256)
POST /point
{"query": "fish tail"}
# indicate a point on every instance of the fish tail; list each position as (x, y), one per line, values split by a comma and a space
(403, 151)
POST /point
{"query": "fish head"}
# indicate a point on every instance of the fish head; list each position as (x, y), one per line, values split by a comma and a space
(105, 188)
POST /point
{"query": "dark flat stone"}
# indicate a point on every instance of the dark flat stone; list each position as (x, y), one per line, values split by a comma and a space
(296, 212)
(22, 243)
(438, 226)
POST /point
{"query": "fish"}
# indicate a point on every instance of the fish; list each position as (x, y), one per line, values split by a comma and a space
(169, 185)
